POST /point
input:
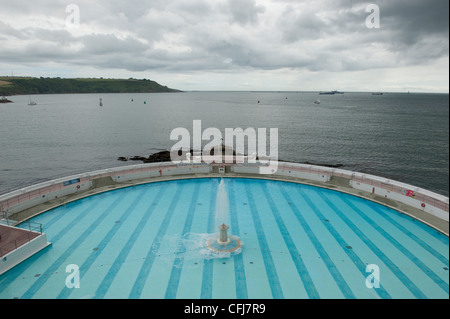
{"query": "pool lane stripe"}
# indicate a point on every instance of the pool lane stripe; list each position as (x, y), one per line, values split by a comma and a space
(118, 262)
(302, 271)
(208, 264)
(59, 213)
(418, 240)
(272, 276)
(381, 291)
(15, 272)
(84, 268)
(174, 279)
(335, 273)
(386, 260)
(141, 279)
(239, 269)
(77, 242)
(78, 218)
(424, 268)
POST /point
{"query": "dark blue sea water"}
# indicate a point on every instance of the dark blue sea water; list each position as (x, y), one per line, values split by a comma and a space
(400, 136)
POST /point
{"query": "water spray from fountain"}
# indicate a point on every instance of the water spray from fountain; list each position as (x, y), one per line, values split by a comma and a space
(221, 212)
(218, 244)
(223, 243)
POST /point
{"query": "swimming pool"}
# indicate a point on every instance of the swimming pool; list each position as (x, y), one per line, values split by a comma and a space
(298, 241)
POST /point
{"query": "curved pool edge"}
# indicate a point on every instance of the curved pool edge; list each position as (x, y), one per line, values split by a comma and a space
(300, 220)
(425, 206)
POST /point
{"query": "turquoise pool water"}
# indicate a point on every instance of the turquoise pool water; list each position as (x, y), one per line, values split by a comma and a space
(299, 241)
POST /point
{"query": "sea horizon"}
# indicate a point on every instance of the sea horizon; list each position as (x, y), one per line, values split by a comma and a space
(399, 136)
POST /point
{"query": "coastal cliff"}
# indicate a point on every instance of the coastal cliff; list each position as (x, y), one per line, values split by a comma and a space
(29, 85)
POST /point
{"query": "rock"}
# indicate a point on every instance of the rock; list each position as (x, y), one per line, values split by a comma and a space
(5, 100)
(163, 156)
(324, 165)
(137, 158)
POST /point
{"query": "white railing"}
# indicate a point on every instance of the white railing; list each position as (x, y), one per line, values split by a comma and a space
(34, 230)
(21, 199)
(419, 198)
(24, 198)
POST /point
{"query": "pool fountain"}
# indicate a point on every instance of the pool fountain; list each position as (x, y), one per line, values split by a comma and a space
(222, 242)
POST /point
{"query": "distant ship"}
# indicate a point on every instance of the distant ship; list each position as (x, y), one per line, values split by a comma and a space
(331, 93)
(377, 93)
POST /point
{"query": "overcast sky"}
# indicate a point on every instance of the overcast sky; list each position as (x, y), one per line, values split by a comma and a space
(298, 45)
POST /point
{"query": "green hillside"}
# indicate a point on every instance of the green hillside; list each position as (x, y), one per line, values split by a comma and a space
(28, 85)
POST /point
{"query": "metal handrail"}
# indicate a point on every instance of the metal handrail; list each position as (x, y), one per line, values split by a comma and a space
(21, 240)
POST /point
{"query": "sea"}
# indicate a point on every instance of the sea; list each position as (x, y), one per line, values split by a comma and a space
(400, 136)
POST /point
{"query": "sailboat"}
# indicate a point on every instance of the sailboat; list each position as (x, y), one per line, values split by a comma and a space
(32, 102)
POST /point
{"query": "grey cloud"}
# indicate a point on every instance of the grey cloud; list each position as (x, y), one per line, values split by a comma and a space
(417, 18)
(197, 35)
(7, 31)
(412, 31)
(244, 11)
(193, 11)
(296, 25)
(107, 44)
(419, 28)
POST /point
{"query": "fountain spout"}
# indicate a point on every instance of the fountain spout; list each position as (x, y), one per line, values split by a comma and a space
(223, 238)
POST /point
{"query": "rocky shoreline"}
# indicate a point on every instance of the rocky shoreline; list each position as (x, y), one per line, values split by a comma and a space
(164, 156)
(5, 100)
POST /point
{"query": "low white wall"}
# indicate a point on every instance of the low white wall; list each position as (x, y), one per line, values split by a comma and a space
(22, 253)
(144, 172)
(31, 196)
(427, 201)
(307, 172)
(416, 197)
